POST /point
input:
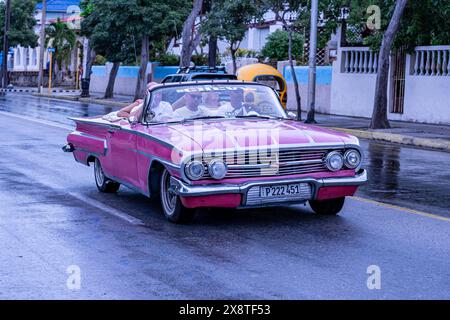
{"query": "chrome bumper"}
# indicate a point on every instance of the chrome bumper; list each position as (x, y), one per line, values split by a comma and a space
(184, 190)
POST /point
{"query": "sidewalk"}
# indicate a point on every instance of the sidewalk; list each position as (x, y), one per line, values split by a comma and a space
(406, 133)
(95, 97)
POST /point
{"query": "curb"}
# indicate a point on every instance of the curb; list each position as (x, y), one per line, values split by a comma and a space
(85, 100)
(35, 91)
(439, 144)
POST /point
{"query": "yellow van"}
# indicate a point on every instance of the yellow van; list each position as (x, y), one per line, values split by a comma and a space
(265, 74)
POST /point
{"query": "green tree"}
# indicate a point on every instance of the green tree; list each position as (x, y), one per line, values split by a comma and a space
(228, 20)
(21, 30)
(190, 36)
(277, 46)
(147, 21)
(404, 24)
(152, 21)
(289, 42)
(107, 37)
(61, 37)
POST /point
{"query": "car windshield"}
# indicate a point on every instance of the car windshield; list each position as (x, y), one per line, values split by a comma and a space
(214, 101)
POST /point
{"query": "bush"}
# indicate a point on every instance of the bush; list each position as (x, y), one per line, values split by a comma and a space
(199, 60)
(277, 46)
(100, 60)
(245, 53)
(169, 59)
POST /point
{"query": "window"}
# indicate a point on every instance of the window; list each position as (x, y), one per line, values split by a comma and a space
(26, 57)
(34, 57)
(177, 103)
(18, 57)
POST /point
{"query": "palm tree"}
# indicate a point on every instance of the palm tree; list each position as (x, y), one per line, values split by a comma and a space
(61, 37)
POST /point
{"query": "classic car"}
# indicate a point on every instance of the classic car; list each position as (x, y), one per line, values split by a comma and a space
(241, 151)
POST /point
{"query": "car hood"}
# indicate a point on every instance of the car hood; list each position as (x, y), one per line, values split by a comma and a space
(211, 135)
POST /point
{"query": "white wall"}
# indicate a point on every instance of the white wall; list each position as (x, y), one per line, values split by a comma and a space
(427, 97)
(26, 59)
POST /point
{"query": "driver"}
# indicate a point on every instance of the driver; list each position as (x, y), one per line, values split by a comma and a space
(192, 106)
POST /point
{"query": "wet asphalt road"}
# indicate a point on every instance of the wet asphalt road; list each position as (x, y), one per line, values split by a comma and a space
(52, 217)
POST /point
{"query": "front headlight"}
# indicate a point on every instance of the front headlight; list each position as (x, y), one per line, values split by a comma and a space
(217, 169)
(352, 158)
(195, 170)
(334, 161)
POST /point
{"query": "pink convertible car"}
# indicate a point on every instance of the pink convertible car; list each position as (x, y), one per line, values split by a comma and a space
(222, 144)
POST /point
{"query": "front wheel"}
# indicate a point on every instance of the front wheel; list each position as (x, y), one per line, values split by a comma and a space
(328, 207)
(171, 204)
(104, 184)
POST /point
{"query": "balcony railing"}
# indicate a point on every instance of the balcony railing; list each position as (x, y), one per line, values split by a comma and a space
(432, 61)
(359, 60)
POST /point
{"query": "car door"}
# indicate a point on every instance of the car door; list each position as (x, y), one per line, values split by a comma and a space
(122, 144)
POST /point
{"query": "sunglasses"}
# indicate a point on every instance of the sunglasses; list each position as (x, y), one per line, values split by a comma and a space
(195, 96)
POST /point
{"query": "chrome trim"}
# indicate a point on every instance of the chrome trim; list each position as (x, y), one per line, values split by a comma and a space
(119, 127)
(153, 158)
(184, 190)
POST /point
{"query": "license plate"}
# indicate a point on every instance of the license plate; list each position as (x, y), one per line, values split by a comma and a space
(284, 190)
(270, 194)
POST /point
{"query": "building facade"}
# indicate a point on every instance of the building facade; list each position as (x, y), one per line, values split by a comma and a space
(25, 61)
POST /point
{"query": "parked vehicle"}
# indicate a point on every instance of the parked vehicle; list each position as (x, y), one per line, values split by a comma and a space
(263, 73)
(199, 74)
(233, 153)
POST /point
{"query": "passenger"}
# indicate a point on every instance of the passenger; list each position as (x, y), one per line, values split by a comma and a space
(126, 111)
(122, 113)
(159, 110)
(212, 104)
(133, 109)
(236, 105)
(136, 112)
(192, 107)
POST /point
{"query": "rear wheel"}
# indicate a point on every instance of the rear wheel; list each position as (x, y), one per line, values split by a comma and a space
(103, 183)
(171, 204)
(328, 207)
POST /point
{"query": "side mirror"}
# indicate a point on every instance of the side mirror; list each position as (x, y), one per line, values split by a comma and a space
(292, 115)
(132, 120)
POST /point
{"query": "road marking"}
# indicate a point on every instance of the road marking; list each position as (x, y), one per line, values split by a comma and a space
(110, 210)
(411, 211)
(94, 203)
(48, 123)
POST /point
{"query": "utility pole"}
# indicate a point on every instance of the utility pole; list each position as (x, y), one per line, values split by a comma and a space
(42, 46)
(6, 46)
(312, 62)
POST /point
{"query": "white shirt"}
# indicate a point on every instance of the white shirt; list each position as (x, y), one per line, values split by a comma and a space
(186, 113)
(220, 111)
(163, 110)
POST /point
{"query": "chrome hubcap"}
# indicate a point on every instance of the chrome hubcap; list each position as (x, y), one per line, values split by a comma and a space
(99, 175)
(169, 198)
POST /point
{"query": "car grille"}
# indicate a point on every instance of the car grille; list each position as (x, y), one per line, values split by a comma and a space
(281, 163)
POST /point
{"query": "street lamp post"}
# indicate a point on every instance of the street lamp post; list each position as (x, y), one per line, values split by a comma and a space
(5, 46)
(312, 63)
(42, 46)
